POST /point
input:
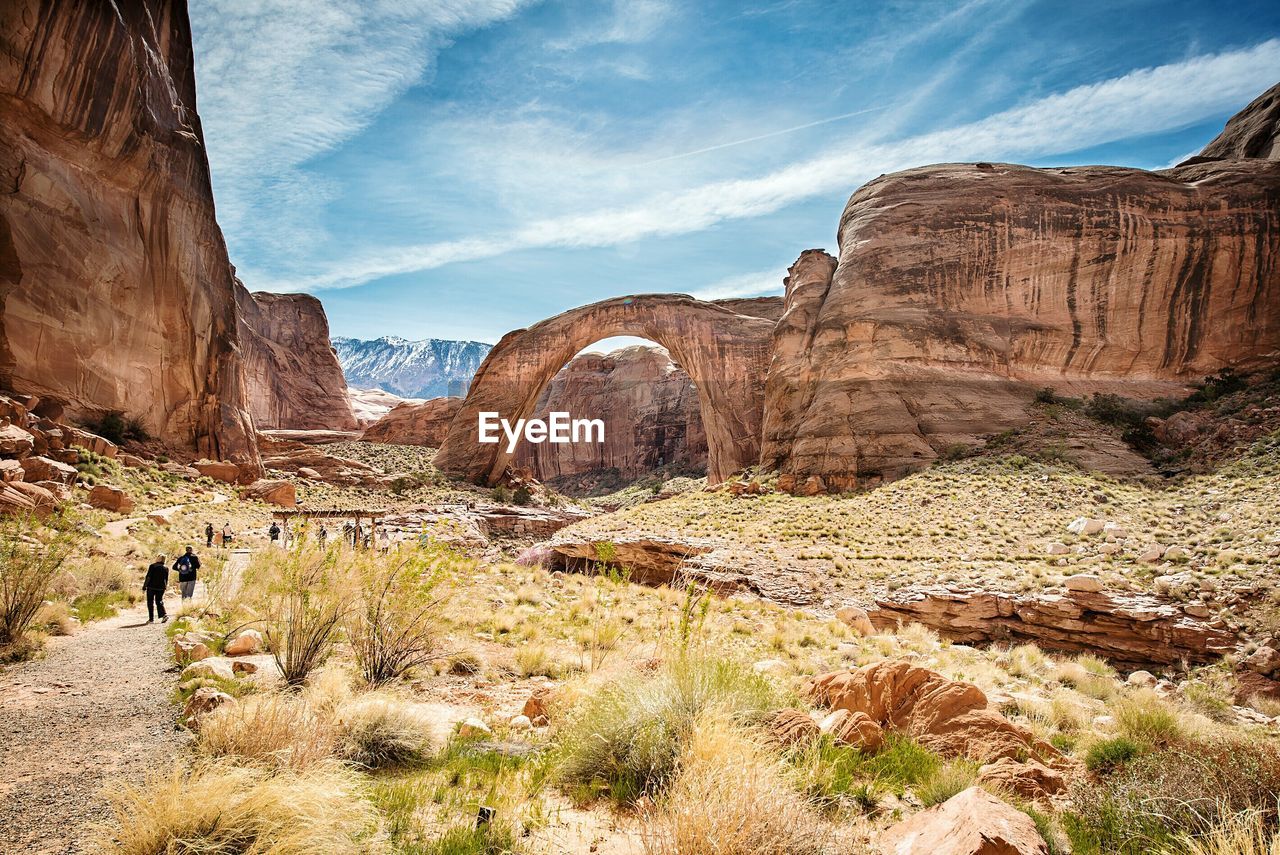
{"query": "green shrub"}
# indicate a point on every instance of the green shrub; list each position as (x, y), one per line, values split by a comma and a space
(31, 558)
(119, 428)
(1108, 755)
(1148, 720)
(626, 739)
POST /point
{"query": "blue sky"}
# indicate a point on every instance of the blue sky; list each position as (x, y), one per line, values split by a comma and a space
(460, 168)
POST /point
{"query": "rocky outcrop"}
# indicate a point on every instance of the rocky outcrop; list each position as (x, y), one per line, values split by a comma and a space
(972, 822)
(1253, 132)
(415, 423)
(960, 289)
(116, 289)
(369, 405)
(724, 353)
(1127, 629)
(649, 407)
(292, 376)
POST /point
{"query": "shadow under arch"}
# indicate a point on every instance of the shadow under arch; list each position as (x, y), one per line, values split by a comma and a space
(724, 353)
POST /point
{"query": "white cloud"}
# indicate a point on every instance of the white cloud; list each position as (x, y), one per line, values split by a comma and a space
(631, 22)
(758, 284)
(282, 81)
(1140, 102)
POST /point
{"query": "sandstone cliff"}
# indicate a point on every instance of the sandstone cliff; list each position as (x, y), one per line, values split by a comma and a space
(292, 375)
(961, 288)
(415, 423)
(116, 289)
(649, 407)
(1253, 132)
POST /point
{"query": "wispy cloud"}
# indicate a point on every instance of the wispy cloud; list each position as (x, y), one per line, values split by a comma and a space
(758, 284)
(1140, 102)
(283, 81)
(631, 22)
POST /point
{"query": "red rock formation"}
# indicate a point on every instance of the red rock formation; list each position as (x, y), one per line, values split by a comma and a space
(415, 423)
(292, 375)
(1253, 132)
(725, 354)
(961, 288)
(116, 289)
(649, 407)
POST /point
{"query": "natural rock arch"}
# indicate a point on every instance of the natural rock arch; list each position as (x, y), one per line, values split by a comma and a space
(724, 352)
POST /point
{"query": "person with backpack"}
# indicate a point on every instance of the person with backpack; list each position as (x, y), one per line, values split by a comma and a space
(274, 533)
(208, 535)
(186, 566)
(157, 579)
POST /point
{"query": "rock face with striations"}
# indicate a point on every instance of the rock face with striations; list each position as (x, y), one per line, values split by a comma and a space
(649, 407)
(1253, 132)
(415, 423)
(116, 289)
(292, 375)
(960, 289)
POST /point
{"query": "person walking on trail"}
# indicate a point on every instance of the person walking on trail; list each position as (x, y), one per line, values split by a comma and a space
(274, 533)
(324, 536)
(208, 535)
(186, 566)
(156, 581)
(227, 536)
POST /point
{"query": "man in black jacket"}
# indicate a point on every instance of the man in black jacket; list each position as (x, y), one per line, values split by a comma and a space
(186, 566)
(154, 584)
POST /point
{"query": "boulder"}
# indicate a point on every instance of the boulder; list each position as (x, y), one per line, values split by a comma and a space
(1173, 553)
(854, 730)
(11, 470)
(187, 650)
(18, 498)
(15, 442)
(1085, 526)
(227, 472)
(110, 499)
(163, 517)
(61, 492)
(1086, 582)
(1028, 779)
(214, 666)
(537, 706)
(946, 716)
(1151, 554)
(1265, 661)
(855, 617)
(771, 667)
(1143, 679)
(1057, 548)
(129, 461)
(520, 722)
(273, 492)
(473, 727)
(793, 727)
(244, 666)
(203, 701)
(44, 469)
(972, 822)
(246, 643)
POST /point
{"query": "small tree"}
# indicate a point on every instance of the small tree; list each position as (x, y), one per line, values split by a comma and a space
(304, 603)
(30, 561)
(395, 627)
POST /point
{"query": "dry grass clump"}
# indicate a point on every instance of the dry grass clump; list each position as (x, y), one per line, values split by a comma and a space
(378, 731)
(1148, 719)
(626, 739)
(273, 729)
(1243, 834)
(731, 797)
(31, 559)
(223, 809)
(395, 627)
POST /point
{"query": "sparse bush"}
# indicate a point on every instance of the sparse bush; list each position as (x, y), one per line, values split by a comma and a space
(222, 809)
(377, 732)
(31, 558)
(1147, 719)
(273, 729)
(1110, 754)
(119, 428)
(521, 496)
(626, 739)
(304, 599)
(1185, 790)
(731, 798)
(954, 777)
(502, 494)
(395, 626)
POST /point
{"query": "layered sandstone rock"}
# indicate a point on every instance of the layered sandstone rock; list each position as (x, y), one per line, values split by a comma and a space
(1253, 132)
(116, 290)
(370, 405)
(725, 354)
(292, 375)
(650, 411)
(1127, 629)
(972, 822)
(960, 289)
(415, 423)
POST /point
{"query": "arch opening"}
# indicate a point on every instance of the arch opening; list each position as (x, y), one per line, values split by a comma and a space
(723, 352)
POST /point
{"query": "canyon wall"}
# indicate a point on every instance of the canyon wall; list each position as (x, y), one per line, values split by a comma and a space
(960, 289)
(292, 376)
(650, 410)
(116, 289)
(415, 423)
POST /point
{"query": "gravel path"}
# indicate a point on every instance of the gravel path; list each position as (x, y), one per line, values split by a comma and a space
(94, 711)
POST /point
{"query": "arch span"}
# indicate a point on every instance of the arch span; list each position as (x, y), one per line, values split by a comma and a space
(725, 354)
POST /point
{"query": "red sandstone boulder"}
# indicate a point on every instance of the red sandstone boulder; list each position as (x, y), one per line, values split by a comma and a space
(110, 498)
(973, 822)
(15, 442)
(18, 498)
(44, 469)
(221, 470)
(1030, 779)
(11, 470)
(793, 727)
(273, 492)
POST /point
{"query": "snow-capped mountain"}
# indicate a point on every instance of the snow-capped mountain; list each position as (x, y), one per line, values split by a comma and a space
(412, 369)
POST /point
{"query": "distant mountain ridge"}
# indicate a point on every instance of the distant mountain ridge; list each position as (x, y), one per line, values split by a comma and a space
(413, 369)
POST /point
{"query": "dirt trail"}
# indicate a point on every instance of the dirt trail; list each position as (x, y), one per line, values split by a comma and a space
(94, 710)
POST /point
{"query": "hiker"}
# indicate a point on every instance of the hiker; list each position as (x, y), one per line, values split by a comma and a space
(227, 536)
(323, 535)
(274, 533)
(208, 535)
(186, 566)
(156, 581)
